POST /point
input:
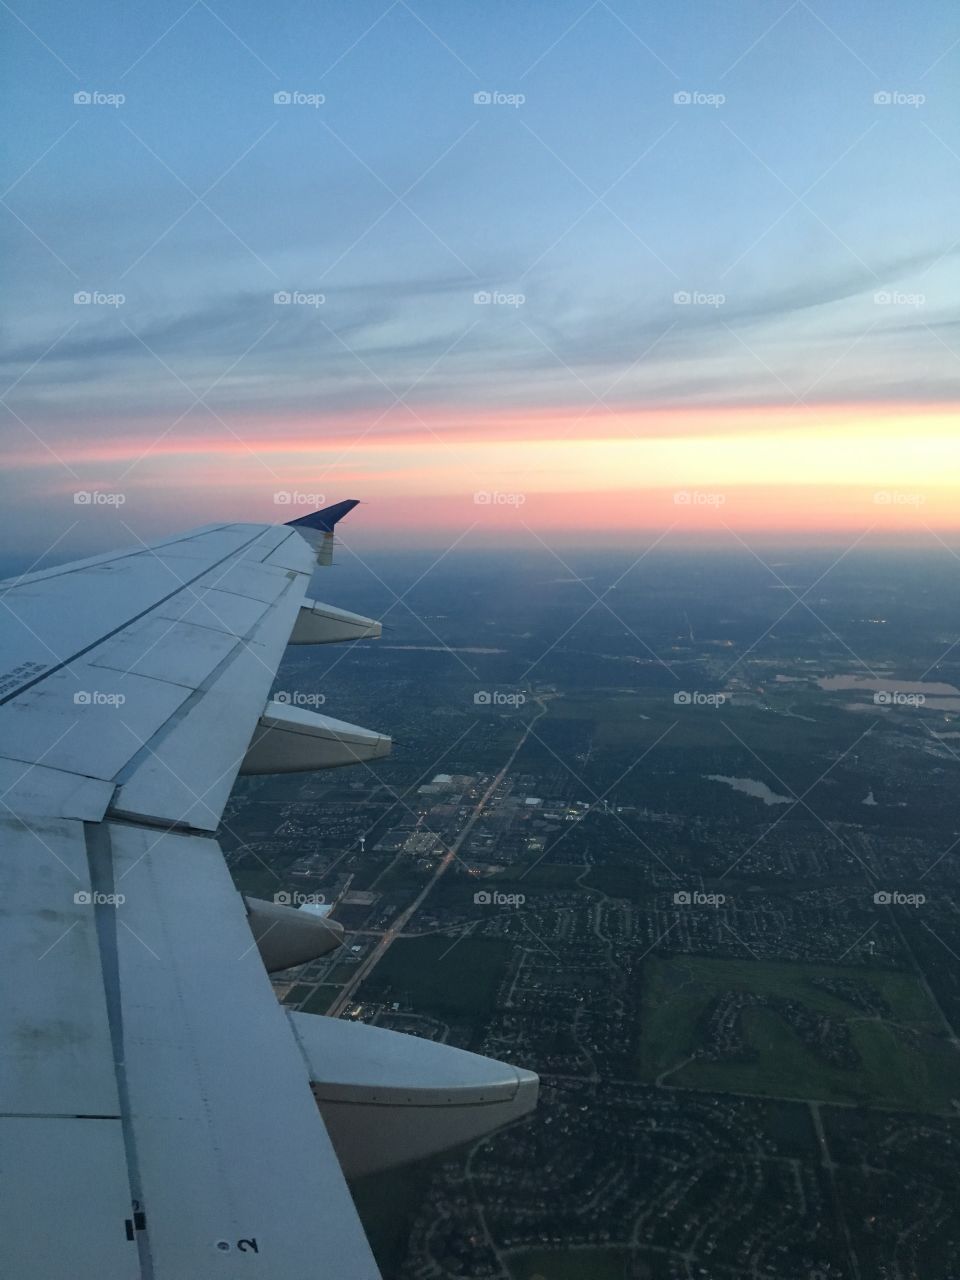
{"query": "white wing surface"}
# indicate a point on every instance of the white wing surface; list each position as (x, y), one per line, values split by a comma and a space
(160, 1113)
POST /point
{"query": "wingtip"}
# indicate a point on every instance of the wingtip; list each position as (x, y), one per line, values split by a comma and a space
(326, 519)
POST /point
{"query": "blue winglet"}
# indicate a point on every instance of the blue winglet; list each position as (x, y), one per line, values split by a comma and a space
(324, 521)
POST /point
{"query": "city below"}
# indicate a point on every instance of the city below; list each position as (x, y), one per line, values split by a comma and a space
(703, 884)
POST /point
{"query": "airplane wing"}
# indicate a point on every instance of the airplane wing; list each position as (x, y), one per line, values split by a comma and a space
(161, 1115)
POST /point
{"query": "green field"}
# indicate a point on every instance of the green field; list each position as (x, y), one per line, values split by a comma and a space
(453, 975)
(631, 881)
(578, 1264)
(904, 1060)
(636, 720)
(322, 999)
(341, 973)
(542, 875)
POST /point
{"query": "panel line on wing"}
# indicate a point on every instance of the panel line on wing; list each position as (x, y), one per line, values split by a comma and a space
(149, 747)
(94, 562)
(102, 881)
(65, 663)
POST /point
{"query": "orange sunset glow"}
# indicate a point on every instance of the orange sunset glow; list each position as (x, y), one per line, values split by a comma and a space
(774, 469)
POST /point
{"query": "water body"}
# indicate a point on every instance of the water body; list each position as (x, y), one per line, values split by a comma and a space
(869, 684)
(750, 787)
(438, 648)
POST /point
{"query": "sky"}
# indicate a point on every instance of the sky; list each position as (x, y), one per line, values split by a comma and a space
(511, 271)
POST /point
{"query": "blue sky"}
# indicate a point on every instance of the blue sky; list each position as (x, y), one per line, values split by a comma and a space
(783, 189)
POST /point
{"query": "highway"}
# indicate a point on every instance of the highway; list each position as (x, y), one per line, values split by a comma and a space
(370, 962)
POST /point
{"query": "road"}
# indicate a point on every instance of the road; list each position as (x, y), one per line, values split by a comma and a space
(370, 962)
